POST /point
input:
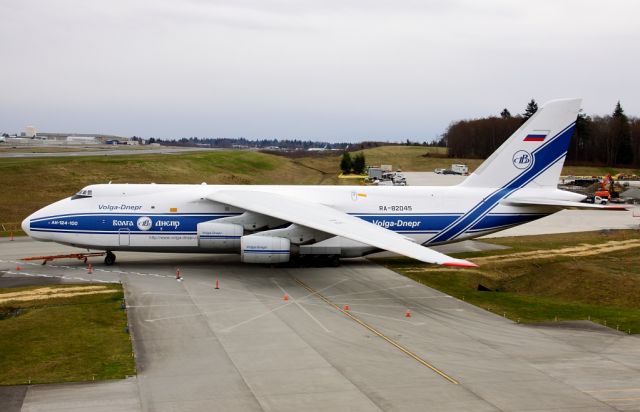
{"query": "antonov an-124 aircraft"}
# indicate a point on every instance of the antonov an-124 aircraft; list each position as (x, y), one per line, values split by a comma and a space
(273, 224)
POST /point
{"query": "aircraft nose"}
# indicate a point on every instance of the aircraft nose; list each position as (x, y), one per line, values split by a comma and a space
(26, 226)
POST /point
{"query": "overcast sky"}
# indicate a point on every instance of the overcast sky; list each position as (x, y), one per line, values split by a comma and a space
(328, 69)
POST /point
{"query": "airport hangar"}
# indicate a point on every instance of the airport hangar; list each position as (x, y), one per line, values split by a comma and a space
(244, 347)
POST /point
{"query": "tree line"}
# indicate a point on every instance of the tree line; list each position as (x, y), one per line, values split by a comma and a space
(242, 142)
(612, 140)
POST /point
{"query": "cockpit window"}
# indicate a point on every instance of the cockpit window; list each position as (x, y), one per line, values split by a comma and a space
(84, 193)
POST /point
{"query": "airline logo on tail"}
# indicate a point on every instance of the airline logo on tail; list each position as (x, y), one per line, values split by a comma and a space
(521, 159)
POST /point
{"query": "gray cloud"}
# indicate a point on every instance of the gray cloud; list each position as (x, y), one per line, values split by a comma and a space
(330, 69)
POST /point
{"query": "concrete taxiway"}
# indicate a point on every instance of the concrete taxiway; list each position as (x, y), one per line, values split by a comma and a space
(244, 347)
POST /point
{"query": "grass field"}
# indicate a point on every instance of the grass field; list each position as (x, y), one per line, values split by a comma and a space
(63, 339)
(591, 275)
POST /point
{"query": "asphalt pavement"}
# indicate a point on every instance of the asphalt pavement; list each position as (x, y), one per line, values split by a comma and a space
(278, 339)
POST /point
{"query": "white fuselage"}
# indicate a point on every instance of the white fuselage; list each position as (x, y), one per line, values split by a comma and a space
(158, 217)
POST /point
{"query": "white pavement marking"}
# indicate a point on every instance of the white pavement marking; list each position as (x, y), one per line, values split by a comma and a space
(230, 328)
(42, 275)
(234, 299)
(211, 285)
(192, 315)
(301, 307)
(83, 268)
(182, 304)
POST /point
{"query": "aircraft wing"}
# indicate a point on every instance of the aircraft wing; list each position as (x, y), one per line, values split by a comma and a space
(560, 204)
(327, 219)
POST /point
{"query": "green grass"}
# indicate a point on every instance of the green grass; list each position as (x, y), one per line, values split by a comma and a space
(64, 339)
(602, 287)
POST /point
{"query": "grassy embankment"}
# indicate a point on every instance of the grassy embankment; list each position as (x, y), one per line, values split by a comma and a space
(31, 183)
(63, 339)
(574, 276)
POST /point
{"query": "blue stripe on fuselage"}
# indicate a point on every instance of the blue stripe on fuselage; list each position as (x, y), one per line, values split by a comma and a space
(403, 223)
(100, 223)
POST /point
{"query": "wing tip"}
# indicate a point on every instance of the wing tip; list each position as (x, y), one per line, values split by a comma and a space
(460, 264)
(617, 208)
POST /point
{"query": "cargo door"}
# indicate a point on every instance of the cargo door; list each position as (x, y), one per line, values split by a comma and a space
(124, 236)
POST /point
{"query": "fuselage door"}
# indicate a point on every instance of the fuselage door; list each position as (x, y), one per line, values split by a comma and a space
(124, 236)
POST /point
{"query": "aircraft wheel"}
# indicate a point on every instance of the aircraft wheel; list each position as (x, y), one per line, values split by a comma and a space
(109, 259)
(334, 261)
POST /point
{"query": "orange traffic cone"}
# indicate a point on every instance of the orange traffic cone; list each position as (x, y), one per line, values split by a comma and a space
(217, 284)
(286, 296)
(346, 307)
(407, 314)
(17, 267)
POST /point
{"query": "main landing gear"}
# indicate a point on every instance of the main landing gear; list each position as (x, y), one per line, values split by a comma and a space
(314, 261)
(110, 258)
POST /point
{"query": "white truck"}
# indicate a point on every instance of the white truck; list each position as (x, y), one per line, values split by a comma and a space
(460, 169)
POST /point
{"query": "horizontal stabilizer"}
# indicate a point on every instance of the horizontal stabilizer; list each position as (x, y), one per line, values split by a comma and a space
(560, 204)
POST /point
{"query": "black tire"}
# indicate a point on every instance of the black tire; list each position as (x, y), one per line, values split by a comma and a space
(334, 261)
(109, 259)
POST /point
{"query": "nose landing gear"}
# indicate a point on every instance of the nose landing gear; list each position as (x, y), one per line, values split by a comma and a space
(109, 258)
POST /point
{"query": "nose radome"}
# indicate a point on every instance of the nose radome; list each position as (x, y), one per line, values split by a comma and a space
(26, 226)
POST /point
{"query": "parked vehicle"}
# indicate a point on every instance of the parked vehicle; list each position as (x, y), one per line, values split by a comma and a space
(460, 169)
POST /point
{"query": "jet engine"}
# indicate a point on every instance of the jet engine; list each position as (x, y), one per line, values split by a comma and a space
(219, 236)
(264, 249)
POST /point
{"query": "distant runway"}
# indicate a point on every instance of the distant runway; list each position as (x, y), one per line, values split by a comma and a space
(110, 152)
(244, 347)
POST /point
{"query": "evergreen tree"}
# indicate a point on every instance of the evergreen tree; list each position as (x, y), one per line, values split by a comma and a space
(505, 113)
(618, 111)
(346, 164)
(580, 141)
(532, 107)
(621, 132)
(359, 163)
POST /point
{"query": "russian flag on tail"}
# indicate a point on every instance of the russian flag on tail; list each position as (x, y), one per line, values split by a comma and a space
(535, 137)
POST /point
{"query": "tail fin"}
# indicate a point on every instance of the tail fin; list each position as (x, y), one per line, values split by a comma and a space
(535, 153)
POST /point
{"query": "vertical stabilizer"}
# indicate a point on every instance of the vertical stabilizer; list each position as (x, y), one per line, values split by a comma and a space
(535, 153)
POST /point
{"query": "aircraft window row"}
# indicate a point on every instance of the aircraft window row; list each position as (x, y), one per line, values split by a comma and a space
(84, 193)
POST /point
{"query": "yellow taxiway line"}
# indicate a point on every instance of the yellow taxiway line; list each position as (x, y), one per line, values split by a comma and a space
(375, 331)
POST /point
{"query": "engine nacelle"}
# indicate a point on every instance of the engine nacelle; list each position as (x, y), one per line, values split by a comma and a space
(264, 249)
(219, 236)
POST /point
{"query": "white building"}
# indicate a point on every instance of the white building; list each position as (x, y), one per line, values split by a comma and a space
(82, 140)
(30, 131)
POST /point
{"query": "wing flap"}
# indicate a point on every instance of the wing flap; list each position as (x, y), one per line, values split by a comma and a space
(327, 219)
